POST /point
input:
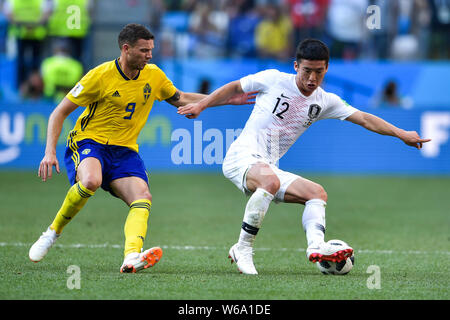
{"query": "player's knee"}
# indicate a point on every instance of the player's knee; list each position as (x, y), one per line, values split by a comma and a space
(91, 182)
(271, 184)
(142, 194)
(262, 176)
(147, 195)
(319, 193)
(138, 196)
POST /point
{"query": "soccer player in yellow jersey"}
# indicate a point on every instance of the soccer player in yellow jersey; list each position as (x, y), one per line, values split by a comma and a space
(102, 150)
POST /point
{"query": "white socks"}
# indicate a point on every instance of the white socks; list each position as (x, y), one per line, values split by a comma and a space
(256, 209)
(313, 221)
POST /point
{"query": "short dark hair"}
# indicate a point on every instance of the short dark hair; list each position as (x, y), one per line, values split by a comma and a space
(132, 32)
(312, 49)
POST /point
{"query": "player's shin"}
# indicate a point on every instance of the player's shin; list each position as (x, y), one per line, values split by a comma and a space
(255, 211)
(76, 198)
(136, 226)
(313, 221)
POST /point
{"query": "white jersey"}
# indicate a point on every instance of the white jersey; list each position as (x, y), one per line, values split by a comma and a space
(282, 113)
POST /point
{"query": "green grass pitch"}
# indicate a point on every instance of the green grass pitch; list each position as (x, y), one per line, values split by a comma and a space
(399, 224)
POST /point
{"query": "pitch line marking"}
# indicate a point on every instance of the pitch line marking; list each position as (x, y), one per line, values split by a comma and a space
(188, 247)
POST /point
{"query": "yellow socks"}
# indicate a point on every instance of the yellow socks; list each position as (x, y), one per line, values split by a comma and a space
(136, 225)
(76, 198)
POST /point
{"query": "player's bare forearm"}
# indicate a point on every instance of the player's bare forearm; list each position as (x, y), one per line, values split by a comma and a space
(183, 98)
(374, 123)
(223, 95)
(55, 124)
(380, 126)
(230, 93)
(219, 97)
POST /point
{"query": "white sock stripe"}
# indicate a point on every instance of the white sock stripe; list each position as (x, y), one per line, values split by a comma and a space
(314, 226)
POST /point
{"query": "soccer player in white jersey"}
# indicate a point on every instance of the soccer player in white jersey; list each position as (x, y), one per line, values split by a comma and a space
(286, 105)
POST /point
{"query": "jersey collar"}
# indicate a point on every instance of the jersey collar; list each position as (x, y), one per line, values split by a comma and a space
(122, 73)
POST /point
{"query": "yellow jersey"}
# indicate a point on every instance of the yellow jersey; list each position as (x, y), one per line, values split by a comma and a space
(117, 107)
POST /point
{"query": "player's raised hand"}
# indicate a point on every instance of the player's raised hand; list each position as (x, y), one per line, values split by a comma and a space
(46, 166)
(412, 138)
(190, 111)
(243, 98)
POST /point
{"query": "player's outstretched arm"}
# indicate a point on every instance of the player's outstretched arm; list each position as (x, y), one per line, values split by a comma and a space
(227, 94)
(55, 123)
(378, 125)
(182, 99)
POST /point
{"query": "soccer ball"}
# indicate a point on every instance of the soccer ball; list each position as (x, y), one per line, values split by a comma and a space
(337, 268)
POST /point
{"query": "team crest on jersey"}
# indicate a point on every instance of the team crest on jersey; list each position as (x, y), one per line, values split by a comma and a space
(147, 92)
(86, 151)
(313, 113)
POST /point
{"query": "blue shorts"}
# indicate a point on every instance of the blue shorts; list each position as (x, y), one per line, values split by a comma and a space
(117, 161)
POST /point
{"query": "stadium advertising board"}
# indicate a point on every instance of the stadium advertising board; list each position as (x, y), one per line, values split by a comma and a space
(172, 142)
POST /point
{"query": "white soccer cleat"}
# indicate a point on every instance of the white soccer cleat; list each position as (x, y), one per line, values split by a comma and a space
(40, 248)
(135, 261)
(329, 251)
(243, 256)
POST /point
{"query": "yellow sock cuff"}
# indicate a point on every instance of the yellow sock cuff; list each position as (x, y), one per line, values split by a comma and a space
(141, 204)
(83, 191)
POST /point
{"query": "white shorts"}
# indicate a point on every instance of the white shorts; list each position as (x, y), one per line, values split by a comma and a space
(238, 162)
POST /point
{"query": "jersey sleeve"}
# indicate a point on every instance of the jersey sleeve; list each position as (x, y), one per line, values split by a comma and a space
(260, 81)
(337, 108)
(166, 87)
(87, 90)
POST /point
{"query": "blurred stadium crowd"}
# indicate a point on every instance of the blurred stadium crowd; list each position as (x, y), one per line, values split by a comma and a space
(40, 34)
